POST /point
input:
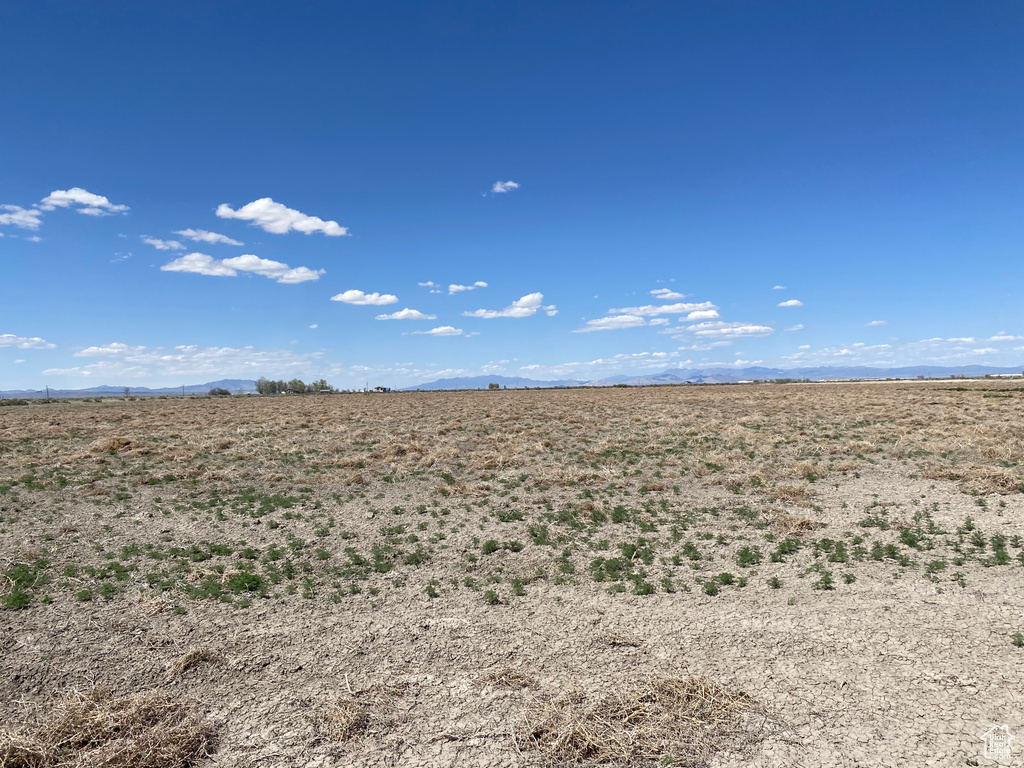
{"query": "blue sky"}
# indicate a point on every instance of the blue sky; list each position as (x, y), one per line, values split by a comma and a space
(194, 190)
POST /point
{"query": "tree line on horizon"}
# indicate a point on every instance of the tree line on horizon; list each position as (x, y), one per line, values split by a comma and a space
(265, 386)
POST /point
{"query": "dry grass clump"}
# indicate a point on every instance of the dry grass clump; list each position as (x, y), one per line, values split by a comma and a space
(343, 719)
(677, 721)
(194, 657)
(96, 730)
(506, 677)
(110, 444)
(785, 524)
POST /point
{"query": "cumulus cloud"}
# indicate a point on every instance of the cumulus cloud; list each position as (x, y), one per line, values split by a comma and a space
(664, 320)
(523, 307)
(1006, 337)
(25, 218)
(797, 327)
(612, 323)
(703, 314)
(876, 323)
(279, 219)
(454, 288)
(407, 314)
(172, 365)
(91, 205)
(365, 299)
(501, 187)
(205, 236)
(665, 294)
(444, 330)
(791, 303)
(729, 330)
(778, 287)
(434, 287)
(202, 264)
(649, 310)
(24, 342)
(163, 245)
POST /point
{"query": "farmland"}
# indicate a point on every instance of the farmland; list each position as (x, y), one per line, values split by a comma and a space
(493, 578)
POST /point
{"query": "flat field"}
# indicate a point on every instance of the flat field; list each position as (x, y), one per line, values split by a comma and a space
(749, 575)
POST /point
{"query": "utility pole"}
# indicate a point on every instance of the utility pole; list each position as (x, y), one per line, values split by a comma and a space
(47, 391)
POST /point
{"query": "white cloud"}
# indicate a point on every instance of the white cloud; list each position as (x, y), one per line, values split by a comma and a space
(200, 264)
(500, 187)
(24, 342)
(92, 205)
(34, 239)
(314, 326)
(665, 294)
(1006, 337)
(278, 219)
(612, 323)
(791, 303)
(173, 365)
(109, 350)
(454, 288)
(26, 218)
(663, 320)
(365, 299)
(204, 236)
(17, 362)
(797, 327)
(985, 351)
(407, 314)
(663, 309)
(778, 287)
(804, 346)
(444, 330)
(163, 245)
(523, 307)
(275, 270)
(729, 330)
(703, 314)
(876, 323)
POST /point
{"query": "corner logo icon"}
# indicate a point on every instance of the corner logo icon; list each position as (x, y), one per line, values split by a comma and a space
(997, 742)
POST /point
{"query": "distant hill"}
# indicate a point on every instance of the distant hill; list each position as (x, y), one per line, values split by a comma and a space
(105, 390)
(727, 376)
(482, 382)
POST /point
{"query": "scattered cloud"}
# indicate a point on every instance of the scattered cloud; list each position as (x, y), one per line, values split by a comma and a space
(778, 287)
(202, 264)
(163, 245)
(985, 351)
(126, 362)
(501, 187)
(34, 239)
(611, 323)
(663, 321)
(454, 288)
(434, 287)
(279, 219)
(791, 303)
(876, 323)
(523, 307)
(703, 314)
(365, 299)
(444, 330)
(649, 310)
(797, 327)
(729, 330)
(24, 342)
(407, 314)
(665, 294)
(204, 236)
(314, 326)
(1006, 337)
(25, 218)
(91, 205)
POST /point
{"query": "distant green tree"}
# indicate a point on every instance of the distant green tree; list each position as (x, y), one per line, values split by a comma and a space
(494, 385)
(219, 392)
(297, 385)
(265, 386)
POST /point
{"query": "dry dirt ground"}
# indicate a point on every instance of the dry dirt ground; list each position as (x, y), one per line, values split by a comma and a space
(495, 578)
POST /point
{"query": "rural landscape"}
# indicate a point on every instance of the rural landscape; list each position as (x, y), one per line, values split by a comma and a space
(796, 574)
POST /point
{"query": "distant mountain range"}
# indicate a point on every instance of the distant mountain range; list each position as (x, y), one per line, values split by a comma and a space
(726, 376)
(674, 376)
(234, 386)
